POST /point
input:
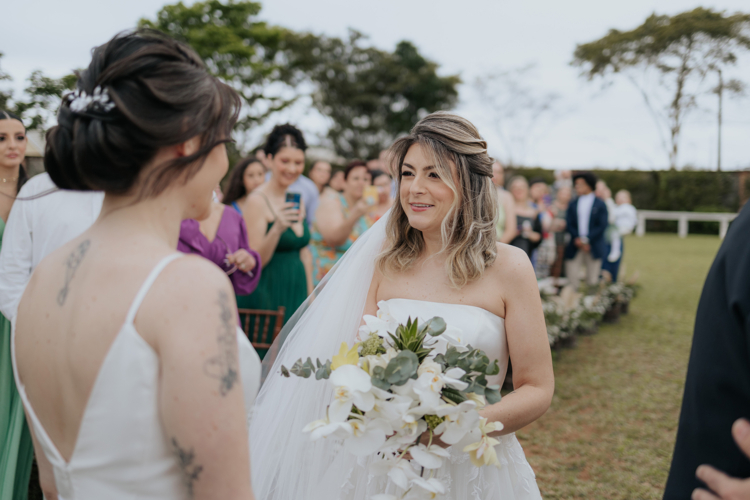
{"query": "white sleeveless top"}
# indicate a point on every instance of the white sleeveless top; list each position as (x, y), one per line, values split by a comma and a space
(122, 451)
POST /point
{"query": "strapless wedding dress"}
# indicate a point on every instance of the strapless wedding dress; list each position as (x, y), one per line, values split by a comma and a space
(515, 480)
(122, 451)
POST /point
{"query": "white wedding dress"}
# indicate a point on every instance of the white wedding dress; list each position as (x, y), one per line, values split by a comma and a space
(286, 464)
(122, 451)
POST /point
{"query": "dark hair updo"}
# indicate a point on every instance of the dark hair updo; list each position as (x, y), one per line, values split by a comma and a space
(284, 136)
(23, 176)
(162, 96)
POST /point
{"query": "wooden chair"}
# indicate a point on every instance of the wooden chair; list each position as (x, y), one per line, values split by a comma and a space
(259, 334)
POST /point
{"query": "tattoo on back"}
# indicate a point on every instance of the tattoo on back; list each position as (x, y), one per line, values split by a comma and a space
(190, 471)
(223, 366)
(71, 266)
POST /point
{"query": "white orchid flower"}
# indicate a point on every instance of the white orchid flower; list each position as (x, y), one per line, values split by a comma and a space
(483, 452)
(368, 363)
(325, 428)
(452, 376)
(452, 336)
(401, 472)
(429, 457)
(433, 486)
(352, 386)
(459, 420)
(382, 324)
(366, 437)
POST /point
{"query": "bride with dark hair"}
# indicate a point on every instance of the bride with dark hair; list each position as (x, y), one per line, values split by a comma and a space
(434, 254)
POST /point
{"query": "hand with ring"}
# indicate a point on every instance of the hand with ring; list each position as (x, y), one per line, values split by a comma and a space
(244, 261)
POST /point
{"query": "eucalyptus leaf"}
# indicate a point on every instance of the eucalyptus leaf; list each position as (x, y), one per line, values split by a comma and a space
(453, 395)
(284, 371)
(492, 394)
(401, 368)
(434, 327)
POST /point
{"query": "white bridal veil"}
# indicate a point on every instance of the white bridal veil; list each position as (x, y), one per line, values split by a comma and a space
(286, 465)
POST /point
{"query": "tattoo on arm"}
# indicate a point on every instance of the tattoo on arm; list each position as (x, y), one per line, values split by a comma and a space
(190, 471)
(224, 366)
(71, 266)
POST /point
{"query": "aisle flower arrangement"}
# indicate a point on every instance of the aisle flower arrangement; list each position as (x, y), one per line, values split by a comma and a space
(399, 390)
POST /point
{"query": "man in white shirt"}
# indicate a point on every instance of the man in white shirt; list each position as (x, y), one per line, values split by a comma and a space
(587, 220)
(42, 219)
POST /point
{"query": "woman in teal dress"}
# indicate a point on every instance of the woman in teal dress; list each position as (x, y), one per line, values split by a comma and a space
(16, 448)
(341, 219)
(277, 230)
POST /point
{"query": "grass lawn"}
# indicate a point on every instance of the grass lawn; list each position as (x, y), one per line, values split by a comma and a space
(610, 431)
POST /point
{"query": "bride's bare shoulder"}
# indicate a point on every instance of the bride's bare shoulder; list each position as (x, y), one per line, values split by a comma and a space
(511, 263)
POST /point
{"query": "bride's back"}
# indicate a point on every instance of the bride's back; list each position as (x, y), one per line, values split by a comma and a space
(126, 353)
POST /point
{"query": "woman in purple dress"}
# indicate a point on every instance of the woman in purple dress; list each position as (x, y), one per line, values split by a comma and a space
(221, 237)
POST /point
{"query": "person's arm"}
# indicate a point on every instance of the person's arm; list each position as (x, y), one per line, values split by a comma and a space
(15, 256)
(571, 221)
(191, 318)
(265, 242)
(511, 224)
(528, 344)
(333, 226)
(305, 255)
(245, 282)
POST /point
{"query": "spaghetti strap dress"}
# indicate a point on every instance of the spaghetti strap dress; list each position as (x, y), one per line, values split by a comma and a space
(283, 281)
(16, 447)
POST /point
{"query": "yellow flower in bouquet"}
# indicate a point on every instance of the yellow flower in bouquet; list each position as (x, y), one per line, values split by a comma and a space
(483, 452)
(345, 356)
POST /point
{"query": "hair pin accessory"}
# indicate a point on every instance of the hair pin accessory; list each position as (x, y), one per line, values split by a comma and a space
(81, 102)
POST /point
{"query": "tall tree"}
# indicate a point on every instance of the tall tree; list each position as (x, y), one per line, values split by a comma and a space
(682, 50)
(371, 95)
(237, 47)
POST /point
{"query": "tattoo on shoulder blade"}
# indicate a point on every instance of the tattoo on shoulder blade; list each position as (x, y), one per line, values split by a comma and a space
(71, 266)
(190, 471)
(223, 366)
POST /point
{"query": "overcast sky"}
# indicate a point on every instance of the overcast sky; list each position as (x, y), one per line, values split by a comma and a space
(590, 126)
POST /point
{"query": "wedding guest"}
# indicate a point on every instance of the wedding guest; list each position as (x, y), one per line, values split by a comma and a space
(247, 174)
(555, 221)
(337, 181)
(611, 261)
(382, 181)
(505, 228)
(339, 222)
(563, 178)
(528, 225)
(320, 174)
(717, 388)
(16, 450)
(538, 191)
(125, 351)
(308, 190)
(278, 230)
(586, 222)
(220, 236)
(374, 164)
(626, 216)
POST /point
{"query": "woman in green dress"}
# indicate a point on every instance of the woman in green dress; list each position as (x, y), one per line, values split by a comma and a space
(16, 448)
(277, 230)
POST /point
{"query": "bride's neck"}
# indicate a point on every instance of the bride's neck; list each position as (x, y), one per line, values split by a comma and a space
(433, 243)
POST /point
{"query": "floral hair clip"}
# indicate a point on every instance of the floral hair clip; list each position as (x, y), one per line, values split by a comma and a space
(80, 102)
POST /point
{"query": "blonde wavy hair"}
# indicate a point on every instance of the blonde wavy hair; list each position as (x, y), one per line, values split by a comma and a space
(468, 230)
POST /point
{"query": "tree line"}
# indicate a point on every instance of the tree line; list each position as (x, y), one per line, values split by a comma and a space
(371, 95)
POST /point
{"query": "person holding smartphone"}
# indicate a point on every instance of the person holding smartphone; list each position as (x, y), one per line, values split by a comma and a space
(277, 228)
(341, 219)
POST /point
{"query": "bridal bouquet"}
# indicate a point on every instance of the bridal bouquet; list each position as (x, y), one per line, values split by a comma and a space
(399, 390)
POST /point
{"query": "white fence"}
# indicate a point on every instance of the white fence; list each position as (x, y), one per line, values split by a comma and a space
(682, 219)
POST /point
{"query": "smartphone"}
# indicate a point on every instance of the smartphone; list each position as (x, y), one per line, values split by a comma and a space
(371, 195)
(295, 198)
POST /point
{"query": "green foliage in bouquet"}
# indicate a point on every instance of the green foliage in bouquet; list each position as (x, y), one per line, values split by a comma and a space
(400, 369)
(472, 361)
(307, 368)
(410, 337)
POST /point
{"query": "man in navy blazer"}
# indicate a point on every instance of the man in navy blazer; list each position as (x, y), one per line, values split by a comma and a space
(587, 219)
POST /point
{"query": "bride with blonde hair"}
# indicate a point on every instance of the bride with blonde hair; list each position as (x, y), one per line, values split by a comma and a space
(433, 254)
